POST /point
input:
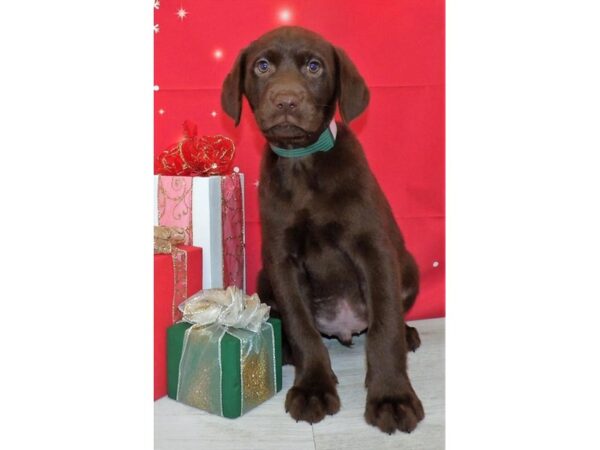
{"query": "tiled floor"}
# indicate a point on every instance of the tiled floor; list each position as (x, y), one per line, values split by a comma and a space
(178, 426)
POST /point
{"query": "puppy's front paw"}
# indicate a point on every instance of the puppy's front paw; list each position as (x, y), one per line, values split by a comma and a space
(312, 403)
(389, 413)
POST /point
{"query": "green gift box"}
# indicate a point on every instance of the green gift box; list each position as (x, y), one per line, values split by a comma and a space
(224, 370)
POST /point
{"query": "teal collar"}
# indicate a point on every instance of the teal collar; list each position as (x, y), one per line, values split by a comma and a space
(325, 143)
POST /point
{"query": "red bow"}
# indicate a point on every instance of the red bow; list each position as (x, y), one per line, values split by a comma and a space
(196, 155)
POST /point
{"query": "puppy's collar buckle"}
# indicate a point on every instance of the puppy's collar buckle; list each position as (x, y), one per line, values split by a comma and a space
(325, 143)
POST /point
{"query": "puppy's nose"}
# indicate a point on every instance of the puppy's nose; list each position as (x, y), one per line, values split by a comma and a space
(286, 101)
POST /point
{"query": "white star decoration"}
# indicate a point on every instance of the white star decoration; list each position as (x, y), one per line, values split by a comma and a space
(181, 13)
(156, 4)
(156, 28)
(285, 15)
(256, 183)
(161, 111)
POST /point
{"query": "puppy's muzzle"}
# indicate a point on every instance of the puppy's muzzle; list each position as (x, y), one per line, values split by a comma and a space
(287, 99)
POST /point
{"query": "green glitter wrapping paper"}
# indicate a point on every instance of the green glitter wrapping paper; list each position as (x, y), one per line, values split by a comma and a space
(225, 371)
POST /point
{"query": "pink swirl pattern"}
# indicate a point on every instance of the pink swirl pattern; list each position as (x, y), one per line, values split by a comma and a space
(175, 204)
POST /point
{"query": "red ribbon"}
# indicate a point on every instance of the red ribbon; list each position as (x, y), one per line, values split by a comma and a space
(196, 155)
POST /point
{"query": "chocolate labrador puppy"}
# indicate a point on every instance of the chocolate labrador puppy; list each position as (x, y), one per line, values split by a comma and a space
(334, 260)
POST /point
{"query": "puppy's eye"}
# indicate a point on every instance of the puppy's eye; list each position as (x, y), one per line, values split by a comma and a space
(314, 66)
(262, 65)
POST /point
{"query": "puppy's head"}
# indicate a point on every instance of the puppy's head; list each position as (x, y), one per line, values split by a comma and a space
(293, 79)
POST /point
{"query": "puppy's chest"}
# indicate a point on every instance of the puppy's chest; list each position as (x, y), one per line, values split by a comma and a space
(309, 218)
(309, 234)
(304, 218)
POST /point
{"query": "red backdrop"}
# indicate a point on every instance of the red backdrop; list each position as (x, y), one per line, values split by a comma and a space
(398, 46)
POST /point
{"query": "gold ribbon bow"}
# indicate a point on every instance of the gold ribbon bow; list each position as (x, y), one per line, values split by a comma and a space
(166, 238)
(230, 308)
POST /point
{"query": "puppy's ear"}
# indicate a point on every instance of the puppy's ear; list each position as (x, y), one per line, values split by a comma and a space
(352, 92)
(233, 88)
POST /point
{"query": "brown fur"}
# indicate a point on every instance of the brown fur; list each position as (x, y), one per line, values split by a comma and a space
(328, 233)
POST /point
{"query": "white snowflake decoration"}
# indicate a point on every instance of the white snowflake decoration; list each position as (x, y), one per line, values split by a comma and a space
(181, 13)
(156, 4)
(156, 28)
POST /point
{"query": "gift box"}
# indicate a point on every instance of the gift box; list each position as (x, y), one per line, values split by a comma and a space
(176, 276)
(211, 212)
(224, 358)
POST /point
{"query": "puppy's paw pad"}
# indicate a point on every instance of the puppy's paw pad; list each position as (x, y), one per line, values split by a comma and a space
(311, 404)
(391, 413)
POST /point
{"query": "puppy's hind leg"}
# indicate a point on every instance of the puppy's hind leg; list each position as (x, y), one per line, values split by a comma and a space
(265, 293)
(413, 341)
(410, 290)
